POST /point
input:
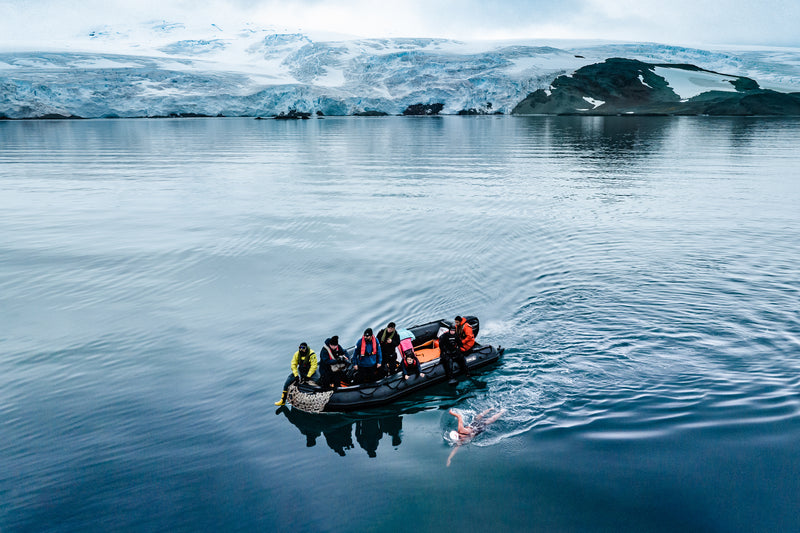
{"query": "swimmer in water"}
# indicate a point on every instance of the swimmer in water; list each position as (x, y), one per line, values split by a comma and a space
(464, 434)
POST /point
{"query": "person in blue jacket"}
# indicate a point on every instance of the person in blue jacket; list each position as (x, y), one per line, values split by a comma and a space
(367, 357)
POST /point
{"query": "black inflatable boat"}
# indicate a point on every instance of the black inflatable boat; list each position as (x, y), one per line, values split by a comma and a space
(309, 397)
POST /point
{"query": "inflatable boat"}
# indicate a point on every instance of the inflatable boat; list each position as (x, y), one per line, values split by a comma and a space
(310, 397)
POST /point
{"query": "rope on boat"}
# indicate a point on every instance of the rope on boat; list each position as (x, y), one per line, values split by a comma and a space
(388, 385)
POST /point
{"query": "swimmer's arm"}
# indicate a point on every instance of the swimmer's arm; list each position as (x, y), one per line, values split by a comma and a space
(460, 421)
(450, 457)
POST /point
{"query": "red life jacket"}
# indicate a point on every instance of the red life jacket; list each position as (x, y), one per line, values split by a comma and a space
(364, 346)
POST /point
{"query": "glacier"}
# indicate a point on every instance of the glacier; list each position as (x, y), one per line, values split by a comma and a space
(167, 69)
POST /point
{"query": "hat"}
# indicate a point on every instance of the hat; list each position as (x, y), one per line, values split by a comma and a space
(390, 325)
(335, 339)
(454, 436)
(368, 331)
(303, 345)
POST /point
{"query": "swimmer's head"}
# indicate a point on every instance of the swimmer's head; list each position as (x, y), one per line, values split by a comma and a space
(454, 436)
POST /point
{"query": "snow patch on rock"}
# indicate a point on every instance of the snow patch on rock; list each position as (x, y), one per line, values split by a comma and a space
(689, 83)
(594, 103)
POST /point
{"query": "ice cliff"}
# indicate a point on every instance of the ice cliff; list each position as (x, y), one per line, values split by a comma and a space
(165, 70)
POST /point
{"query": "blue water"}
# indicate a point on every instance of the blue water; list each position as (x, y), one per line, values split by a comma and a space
(643, 274)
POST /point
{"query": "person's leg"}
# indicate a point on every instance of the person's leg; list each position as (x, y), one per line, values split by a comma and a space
(325, 378)
(367, 374)
(286, 384)
(462, 362)
(481, 415)
(448, 368)
(495, 416)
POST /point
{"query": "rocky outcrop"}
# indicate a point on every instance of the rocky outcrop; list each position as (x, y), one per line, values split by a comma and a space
(423, 109)
(629, 87)
(370, 113)
(485, 109)
(293, 114)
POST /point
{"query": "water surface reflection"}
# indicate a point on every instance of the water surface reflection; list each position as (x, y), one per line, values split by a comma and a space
(338, 430)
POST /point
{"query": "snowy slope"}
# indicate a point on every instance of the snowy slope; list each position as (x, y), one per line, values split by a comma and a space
(166, 68)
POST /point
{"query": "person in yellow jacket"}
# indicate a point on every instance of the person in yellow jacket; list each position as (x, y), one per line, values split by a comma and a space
(304, 366)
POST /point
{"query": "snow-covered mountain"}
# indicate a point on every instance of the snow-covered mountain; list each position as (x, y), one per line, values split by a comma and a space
(163, 69)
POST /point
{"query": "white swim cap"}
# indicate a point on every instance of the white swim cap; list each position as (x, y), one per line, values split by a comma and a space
(454, 436)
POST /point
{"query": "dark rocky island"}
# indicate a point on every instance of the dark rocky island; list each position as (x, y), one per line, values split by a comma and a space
(370, 113)
(293, 114)
(423, 109)
(630, 87)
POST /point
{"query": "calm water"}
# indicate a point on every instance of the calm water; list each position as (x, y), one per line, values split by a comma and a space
(643, 273)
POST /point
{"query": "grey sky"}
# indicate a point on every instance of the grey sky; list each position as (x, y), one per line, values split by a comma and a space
(766, 22)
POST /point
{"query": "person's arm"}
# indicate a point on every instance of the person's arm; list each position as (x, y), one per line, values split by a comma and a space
(460, 421)
(356, 356)
(468, 339)
(324, 360)
(295, 373)
(450, 457)
(378, 358)
(313, 358)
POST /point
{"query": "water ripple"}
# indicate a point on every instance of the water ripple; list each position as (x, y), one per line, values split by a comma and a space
(156, 276)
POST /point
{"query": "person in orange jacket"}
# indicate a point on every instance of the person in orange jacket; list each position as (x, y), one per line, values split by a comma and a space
(464, 335)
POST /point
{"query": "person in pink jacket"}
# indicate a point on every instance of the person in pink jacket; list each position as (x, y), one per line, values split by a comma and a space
(408, 359)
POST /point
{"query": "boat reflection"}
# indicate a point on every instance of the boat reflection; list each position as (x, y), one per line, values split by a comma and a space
(338, 430)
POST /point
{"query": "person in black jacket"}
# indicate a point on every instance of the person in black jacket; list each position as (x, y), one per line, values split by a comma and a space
(449, 352)
(333, 362)
(390, 340)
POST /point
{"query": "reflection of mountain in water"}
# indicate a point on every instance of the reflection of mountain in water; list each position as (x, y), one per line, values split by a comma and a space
(338, 430)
